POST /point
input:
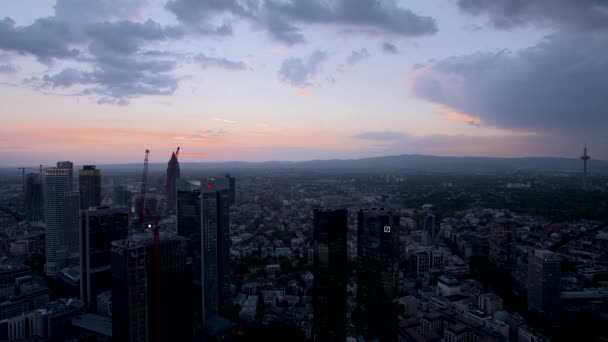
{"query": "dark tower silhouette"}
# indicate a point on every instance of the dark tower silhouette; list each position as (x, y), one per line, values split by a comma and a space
(89, 185)
(330, 256)
(134, 308)
(33, 198)
(584, 158)
(215, 247)
(378, 273)
(99, 227)
(173, 173)
(232, 181)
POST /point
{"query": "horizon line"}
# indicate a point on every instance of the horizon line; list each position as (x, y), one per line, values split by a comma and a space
(307, 160)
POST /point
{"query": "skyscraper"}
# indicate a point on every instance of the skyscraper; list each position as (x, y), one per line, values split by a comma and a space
(377, 273)
(544, 279)
(502, 244)
(98, 228)
(330, 257)
(121, 197)
(428, 230)
(215, 247)
(89, 185)
(188, 209)
(173, 173)
(133, 288)
(33, 198)
(232, 182)
(61, 207)
(68, 165)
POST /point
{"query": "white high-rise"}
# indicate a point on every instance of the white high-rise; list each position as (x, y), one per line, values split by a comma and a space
(61, 209)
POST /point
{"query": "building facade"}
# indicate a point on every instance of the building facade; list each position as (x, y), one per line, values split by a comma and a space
(544, 277)
(149, 306)
(34, 209)
(98, 228)
(61, 212)
(215, 247)
(89, 185)
(173, 173)
(329, 265)
(378, 273)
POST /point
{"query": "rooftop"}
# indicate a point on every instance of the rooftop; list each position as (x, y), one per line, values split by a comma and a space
(96, 323)
(216, 325)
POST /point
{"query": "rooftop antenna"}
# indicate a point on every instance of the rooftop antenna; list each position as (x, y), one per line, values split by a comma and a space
(584, 158)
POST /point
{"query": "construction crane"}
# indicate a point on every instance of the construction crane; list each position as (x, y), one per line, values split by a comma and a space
(142, 212)
(141, 204)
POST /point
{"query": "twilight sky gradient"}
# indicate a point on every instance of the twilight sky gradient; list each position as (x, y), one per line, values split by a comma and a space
(100, 81)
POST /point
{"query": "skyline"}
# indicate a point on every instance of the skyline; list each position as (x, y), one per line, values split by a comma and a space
(101, 81)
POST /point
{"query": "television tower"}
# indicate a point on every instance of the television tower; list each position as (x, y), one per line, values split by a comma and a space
(584, 158)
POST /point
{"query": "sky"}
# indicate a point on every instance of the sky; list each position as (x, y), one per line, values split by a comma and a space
(101, 81)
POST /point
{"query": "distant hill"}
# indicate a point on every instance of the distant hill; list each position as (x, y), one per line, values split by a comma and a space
(396, 163)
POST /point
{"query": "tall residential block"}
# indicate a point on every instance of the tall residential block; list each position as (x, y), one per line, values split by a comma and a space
(329, 265)
(89, 185)
(377, 273)
(61, 212)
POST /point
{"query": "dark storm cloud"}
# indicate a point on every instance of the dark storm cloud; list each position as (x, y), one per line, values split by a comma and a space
(363, 16)
(559, 85)
(218, 62)
(357, 56)
(569, 14)
(299, 73)
(125, 36)
(45, 39)
(117, 78)
(390, 48)
(100, 36)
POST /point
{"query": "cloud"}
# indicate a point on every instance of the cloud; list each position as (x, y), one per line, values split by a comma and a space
(558, 86)
(45, 39)
(357, 56)
(92, 11)
(359, 16)
(218, 62)
(390, 48)
(116, 78)
(381, 136)
(55, 37)
(207, 134)
(585, 15)
(224, 120)
(299, 73)
(125, 37)
(8, 69)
